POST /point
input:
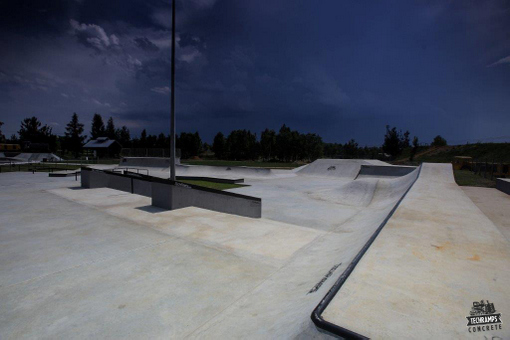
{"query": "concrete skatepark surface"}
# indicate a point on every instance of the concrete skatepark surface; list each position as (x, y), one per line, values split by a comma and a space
(436, 256)
(494, 204)
(84, 263)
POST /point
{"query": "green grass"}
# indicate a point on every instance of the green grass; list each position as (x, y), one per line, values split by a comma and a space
(483, 152)
(469, 178)
(254, 164)
(212, 185)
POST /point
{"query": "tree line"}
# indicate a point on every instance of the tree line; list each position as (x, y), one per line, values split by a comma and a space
(286, 145)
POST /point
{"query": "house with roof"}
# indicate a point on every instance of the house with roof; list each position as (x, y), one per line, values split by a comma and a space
(103, 147)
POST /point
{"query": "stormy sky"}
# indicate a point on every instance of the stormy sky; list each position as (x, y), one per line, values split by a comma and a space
(342, 69)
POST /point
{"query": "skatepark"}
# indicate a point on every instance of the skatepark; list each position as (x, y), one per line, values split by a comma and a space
(339, 248)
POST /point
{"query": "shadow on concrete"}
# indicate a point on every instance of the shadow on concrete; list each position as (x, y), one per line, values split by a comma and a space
(151, 209)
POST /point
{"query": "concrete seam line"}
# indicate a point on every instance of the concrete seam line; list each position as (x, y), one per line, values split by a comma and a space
(316, 315)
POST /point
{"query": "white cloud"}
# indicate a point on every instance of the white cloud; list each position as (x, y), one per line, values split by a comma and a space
(134, 61)
(505, 60)
(161, 90)
(94, 35)
(190, 56)
(95, 101)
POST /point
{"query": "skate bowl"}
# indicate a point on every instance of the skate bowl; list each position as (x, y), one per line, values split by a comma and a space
(340, 168)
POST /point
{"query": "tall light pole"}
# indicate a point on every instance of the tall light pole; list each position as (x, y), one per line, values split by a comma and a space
(172, 100)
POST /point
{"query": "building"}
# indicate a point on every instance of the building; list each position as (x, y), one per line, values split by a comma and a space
(103, 147)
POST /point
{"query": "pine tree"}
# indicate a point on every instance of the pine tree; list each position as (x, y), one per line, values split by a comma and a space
(414, 150)
(73, 136)
(97, 129)
(2, 137)
(124, 137)
(218, 146)
(110, 129)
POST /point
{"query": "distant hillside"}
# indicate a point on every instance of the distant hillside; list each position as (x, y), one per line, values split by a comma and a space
(497, 152)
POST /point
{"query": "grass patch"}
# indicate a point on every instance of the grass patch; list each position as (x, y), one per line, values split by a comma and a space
(481, 152)
(469, 178)
(254, 164)
(212, 185)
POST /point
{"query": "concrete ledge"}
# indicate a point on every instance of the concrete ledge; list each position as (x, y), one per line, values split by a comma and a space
(503, 184)
(93, 179)
(171, 195)
(211, 179)
(180, 195)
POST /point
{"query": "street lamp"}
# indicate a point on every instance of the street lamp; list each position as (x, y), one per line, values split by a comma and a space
(172, 100)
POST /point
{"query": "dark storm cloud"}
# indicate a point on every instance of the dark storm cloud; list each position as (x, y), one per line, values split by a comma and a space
(340, 69)
(145, 44)
(187, 39)
(33, 17)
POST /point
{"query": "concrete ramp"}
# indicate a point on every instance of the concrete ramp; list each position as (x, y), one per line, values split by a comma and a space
(368, 192)
(384, 171)
(342, 168)
(436, 256)
(27, 157)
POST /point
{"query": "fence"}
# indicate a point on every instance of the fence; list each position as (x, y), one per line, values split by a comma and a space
(148, 152)
(490, 170)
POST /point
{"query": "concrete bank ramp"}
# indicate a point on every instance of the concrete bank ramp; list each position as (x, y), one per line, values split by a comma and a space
(27, 157)
(435, 257)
